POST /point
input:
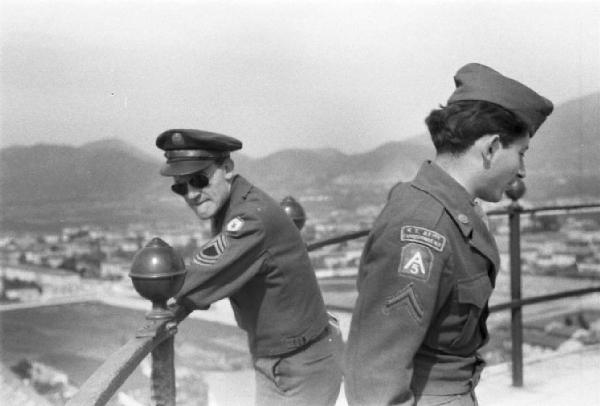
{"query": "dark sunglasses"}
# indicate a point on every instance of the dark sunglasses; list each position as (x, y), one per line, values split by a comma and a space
(198, 181)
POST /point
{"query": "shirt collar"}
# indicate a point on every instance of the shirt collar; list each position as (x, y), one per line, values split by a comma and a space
(459, 203)
(240, 188)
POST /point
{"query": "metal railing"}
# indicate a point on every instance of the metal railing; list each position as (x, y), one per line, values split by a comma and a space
(156, 338)
(516, 304)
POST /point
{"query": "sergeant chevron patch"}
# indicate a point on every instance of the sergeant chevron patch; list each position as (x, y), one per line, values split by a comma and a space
(212, 250)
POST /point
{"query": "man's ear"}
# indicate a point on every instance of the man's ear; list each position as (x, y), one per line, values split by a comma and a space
(228, 165)
(490, 144)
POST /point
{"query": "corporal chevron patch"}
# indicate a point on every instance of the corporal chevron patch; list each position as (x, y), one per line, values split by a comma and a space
(405, 297)
(212, 250)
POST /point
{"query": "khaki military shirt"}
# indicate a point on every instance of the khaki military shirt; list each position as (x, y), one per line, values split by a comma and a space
(426, 274)
(259, 261)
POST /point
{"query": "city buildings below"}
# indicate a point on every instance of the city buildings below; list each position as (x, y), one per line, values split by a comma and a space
(28, 283)
(90, 262)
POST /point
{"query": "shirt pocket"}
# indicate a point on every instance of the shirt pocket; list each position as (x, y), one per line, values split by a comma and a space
(472, 296)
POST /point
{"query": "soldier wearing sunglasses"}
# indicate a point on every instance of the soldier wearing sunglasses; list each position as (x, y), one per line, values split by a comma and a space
(258, 260)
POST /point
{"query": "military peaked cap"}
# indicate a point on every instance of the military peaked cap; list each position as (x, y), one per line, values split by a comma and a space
(479, 82)
(189, 151)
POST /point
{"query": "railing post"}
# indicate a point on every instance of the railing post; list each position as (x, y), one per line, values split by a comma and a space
(163, 374)
(294, 210)
(157, 274)
(514, 216)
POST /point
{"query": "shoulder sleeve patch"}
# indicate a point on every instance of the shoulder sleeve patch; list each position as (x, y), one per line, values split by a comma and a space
(423, 236)
(212, 250)
(234, 225)
(415, 262)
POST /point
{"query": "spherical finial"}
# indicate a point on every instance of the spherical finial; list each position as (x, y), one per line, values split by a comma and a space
(516, 190)
(294, 210)
(157, 273)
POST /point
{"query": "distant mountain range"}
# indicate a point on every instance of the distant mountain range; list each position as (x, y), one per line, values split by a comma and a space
(564, 161)
(569, 142)
(564, 156)
(44, 173)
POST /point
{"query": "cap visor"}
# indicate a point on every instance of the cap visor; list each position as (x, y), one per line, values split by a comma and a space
(184, 167)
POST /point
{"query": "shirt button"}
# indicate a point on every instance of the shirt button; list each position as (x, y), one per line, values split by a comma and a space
(463, 218)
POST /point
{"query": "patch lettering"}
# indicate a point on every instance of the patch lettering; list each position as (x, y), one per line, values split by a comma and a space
(423, 236)
(415, 262)
(234, 225)
(212, 250)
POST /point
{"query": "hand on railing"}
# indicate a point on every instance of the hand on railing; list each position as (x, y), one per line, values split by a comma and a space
(179, 312)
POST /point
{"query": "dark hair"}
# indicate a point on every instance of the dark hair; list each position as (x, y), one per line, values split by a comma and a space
(455, 127)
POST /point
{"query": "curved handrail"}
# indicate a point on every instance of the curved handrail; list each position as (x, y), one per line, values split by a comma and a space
(512, 304)
(496, 212)
(99, 388)
(566, 208)
(543, 298)
(335, 240)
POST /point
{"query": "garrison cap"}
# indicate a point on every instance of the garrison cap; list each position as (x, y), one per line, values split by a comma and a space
(189, 151)
(479, 82)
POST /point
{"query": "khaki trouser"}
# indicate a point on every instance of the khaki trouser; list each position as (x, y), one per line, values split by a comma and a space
(464, 399)
(310, 376)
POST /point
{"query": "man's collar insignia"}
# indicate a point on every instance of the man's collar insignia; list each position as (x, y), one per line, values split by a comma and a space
(234, 225)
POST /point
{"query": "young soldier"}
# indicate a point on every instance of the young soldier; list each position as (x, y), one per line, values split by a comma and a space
(258, 260)
(430, 263)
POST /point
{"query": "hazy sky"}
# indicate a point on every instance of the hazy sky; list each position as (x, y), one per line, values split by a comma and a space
(276, 74)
